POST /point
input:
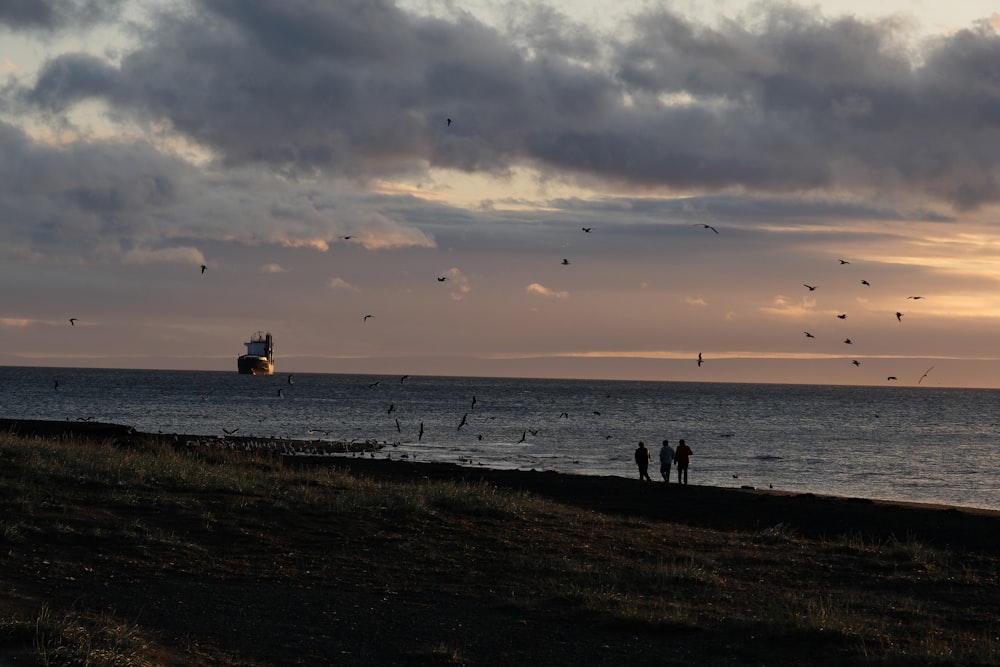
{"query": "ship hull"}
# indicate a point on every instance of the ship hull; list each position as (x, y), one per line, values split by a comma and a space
(252, 365)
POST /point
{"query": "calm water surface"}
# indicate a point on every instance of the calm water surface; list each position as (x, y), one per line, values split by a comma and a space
(900, 443)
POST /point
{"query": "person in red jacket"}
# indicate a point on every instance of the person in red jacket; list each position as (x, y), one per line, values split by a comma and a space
(682, 456)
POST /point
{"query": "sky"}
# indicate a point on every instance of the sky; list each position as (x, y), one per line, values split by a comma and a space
(507, 188)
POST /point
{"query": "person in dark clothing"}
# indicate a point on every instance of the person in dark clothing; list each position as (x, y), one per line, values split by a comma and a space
(642, 459)
(682, 457)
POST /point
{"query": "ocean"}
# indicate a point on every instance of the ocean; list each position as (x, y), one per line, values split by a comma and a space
(917, 444)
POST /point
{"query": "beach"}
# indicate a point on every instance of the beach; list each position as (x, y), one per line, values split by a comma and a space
(431, 563)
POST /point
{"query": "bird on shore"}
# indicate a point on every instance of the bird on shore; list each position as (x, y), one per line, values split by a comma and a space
(72, 321)
(811, 288)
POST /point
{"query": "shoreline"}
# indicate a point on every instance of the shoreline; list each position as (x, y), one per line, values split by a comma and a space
(727, 508)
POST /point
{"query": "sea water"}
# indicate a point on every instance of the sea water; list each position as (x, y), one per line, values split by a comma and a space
(919, 444)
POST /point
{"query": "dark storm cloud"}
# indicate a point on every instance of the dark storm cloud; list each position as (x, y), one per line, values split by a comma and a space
(57, 14)
(784, 101)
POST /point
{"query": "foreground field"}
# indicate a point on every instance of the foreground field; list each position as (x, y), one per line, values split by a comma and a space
(135, 553)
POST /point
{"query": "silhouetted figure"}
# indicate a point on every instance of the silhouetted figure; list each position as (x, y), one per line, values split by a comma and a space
(683, 457)
(642, 459)
(666, 461)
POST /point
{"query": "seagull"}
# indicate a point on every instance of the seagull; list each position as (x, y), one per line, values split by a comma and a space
(914, 297)
(346, 238)
(398, 429)
(586, 229)
(392, 406)
(533, 432)
(702, 224)
(365, 318)
(290, 379)
(473, 406)
(564, 415)
(843, 261)
(72, 321)
(842, 316)
(203, 267)
(899, 316)
(281, 392)
(565, 262)
(374, 384)
(55, 385)
(856, 362)
(848, 341)
(808, 335)
(448, 122)
(890, 378)
(865, 282)
(420, 436)
(925, 374)
(462, 423)
(441, 279)
(230, 432)
(700, 361)
(811, 288)
(524, 436)
(403, 379)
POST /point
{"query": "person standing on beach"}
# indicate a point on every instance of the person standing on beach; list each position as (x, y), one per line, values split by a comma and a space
(682, 456)
(642, 459)
(666, 460)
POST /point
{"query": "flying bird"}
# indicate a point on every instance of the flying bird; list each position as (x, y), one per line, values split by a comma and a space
(55, 385)
(281, 392)
(856, 362)
(398, 429)
(899, 316)
(203, 267)
(848, 341)
(374, 384)
(462, 423)
(473, 406)
(365, 318)
(448, 122)
(565, 262)
(290, 379)
(811, 288)
(914, 297)
(702, 224)
(843, 261)
(441, 279)
(586, 229)
(524, 436)
(865, 282)
(72, 321)
(700, 361)
(842, 316)
(392, 406)
(230, 432)
(890, 378)
(808, 335)
(403, 379)
(420, 436)
(925, 374)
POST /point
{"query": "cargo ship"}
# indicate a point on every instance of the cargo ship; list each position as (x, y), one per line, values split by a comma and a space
(259, 359)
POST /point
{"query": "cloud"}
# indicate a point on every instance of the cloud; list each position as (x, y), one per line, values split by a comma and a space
(273, 268)
(341, 284)
(782, 101)
(542, 290)
(458, 282)
(56, 14)
(178, 255)
(695, 301)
